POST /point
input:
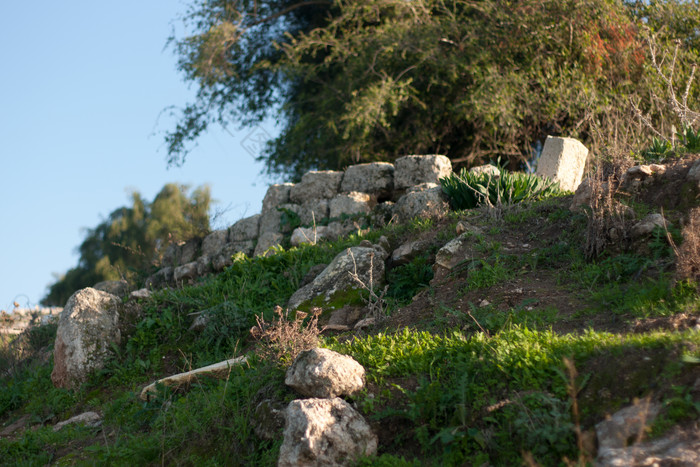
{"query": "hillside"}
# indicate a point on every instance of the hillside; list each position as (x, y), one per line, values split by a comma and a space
(507, 347)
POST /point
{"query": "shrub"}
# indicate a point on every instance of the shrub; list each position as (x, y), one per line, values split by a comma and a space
(282, 339)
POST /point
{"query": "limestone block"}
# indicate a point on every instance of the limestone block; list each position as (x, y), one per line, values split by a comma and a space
(308, 235)
(425, 200)
(245, 229)
(118, 288)
(224, 258)
(316, 185)
(314, 211)
(266, 241)
(214, 242)
(272, 221)
(350, 203)
(414, 170)
(276, 195)
(563, 160)
(186, 271)
(375, 178)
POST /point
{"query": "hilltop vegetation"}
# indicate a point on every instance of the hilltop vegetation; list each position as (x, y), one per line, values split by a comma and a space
(515, 354)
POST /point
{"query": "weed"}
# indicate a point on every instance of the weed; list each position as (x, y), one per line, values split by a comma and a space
(688, 255)
(282, 339)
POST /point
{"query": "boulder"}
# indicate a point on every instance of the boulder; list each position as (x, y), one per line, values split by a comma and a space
(316, 185)
(214, 243)
(308, 235)
(563, 160)
(118, 288)
(414, 170)
(276, 195)
(314, 211)
(375, 178)
(350, 203)
(87, 327)
(453, 252)
(245, 229)
(324, 432)
(325, 373)
(647, 225)
(91, 419)
(426, 200)
(266, 241)
(337, 276)
(625, 427)
(203, 266)
(186, 272)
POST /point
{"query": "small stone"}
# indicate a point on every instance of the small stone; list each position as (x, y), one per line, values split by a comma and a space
(484, 303)
(140, 294)
(91, 419)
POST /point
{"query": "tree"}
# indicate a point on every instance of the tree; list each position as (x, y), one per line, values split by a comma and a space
(475, 80)
(126, 244)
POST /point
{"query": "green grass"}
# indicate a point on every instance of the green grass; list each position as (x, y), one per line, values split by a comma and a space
(454, 395)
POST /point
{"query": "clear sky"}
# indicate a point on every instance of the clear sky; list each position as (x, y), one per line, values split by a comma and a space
(82, 86)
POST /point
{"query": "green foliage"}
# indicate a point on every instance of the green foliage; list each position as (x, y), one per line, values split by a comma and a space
(406, 280)
(687, 141)
(690, 139)
(468, 190)
(659, 150)
(374, 80)
(131, 238)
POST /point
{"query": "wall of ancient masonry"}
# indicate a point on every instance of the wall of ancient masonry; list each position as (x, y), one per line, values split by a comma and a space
(324, 200)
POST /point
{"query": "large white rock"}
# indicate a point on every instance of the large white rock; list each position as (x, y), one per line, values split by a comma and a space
(625, 424)
(350, 203)
(316, 185)
(337, 276)
(87, 327)
(324, 373)
(426, 200)
(276, 195)
(414, 170)
(563, 160)
(245, 229)
(376, 178)
(324, 432)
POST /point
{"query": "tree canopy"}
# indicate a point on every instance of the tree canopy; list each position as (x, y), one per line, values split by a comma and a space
(357, 81)
(131, 240)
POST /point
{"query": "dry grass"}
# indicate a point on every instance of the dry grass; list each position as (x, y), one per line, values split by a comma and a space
(607, 218)
(688, 255)
(282, 339)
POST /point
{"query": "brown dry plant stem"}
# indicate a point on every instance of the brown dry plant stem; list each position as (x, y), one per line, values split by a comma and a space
(375, 303)
(688, 254)
(573, 390)
(283, 338)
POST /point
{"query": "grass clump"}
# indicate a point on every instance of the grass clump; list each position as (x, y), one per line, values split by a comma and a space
(469, 190)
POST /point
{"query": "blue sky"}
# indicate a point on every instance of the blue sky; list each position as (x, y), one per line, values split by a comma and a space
(82, 87)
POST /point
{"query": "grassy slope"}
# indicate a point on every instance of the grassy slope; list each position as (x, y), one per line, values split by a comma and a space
(451, 379)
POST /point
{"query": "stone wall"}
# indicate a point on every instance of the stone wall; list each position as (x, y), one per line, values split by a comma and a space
(324, 205)
(20, 318)
(331, 204)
